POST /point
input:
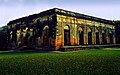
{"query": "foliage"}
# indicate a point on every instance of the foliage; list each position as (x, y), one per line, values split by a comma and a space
(3, 37)
(117, 21)
(85, 62)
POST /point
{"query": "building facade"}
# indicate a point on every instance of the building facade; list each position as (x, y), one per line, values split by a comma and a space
(55, 28)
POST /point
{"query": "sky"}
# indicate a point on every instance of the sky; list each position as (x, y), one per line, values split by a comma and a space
(13, 9)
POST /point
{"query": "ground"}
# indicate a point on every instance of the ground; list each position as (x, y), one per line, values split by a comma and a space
(84, 62)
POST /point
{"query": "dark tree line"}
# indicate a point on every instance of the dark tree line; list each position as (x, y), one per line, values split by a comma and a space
(3, 38)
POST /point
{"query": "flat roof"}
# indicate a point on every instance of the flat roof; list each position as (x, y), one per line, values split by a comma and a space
(62, 12)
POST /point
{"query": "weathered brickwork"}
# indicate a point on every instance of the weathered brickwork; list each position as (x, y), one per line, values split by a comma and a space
(55, 28)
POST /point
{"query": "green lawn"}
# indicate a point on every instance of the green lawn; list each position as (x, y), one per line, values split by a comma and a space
(85, 62)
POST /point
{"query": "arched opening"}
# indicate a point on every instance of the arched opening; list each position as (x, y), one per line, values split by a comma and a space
(81, 36)
(97, 36)
(29, 42)
(110, 37)
(89, 36)
(46, 36)
(104, 41)
(23, 41)
(67, 35)
(27, 37)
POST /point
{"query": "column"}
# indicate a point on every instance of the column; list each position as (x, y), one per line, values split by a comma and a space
(100, 38)
(93, 38)
(86, 38)
(114, 39)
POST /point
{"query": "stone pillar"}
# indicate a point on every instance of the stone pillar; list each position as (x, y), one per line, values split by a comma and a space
(75, 35)
(114, 39)
(24, 38)
(108, 39)
(100, 38)
(93, 38)
(18, 36)
(86, 38)
(62, 34)
(76, 41)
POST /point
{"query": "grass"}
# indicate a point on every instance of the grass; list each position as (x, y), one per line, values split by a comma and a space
(86, 62)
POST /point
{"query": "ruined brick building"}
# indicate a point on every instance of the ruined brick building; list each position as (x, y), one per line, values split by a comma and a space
(56, 28)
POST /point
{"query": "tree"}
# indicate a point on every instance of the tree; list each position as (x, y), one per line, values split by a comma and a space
(3, 38)
(117, 22)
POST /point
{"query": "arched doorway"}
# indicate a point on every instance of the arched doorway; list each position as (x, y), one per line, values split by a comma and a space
(46, 36)
(27, 37)
(81, 36)
(89, 36)
(104, 41)
(66, 35)
(110, 35)
(97, 36)
(30, 39)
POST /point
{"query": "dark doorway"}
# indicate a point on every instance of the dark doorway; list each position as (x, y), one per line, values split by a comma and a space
(45, 37)
(111, 38)
(29, 41)
(103, 38)
(27, 38)
(89, 38)
(81, 38)
(66, 37)
(97, 38)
